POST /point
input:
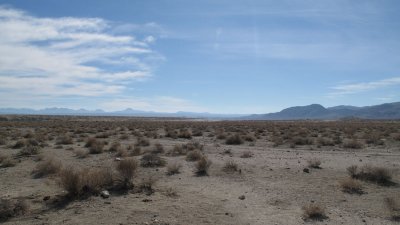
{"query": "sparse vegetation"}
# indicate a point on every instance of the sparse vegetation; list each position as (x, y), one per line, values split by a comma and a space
(392, 204)
(379, 175)
(314, 163)
(47, 167)
(173, 168)
(202, 166)
(350, 186)
(313, 212)
(152, 160)
(234, 140)
(126, 170)
(12, 208)
(230, 167)
(194, 155)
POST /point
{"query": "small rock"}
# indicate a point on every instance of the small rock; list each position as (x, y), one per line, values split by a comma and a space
(242, 197)
(105, 194)
(306, 170)
(118, 159)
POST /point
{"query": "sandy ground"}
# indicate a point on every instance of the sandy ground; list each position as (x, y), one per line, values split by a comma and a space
(272, 181)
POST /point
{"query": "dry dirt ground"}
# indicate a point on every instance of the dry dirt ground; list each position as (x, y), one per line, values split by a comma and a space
(269, 188)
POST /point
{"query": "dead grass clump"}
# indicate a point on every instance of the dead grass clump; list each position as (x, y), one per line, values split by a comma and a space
(352, 171)
(140, 141)
(202, 166)
(6, 161)
(146, 185)
(194, 155)
(246, 154)
(137, 150)
(152, 160)
(302, 141)
(158, 148)
(12, 208)
(350, 186)
(29, 150)
(323, 141)
(380, 175)
(122, 152)
(230, 167)
(82, 182)
(95, 146)
(64, 140)
(353, 143)
(184, 133)
(314, 212)
(19, 144)
(126, 170)
(234, 140)
(171, 192)
(249, 138)
(47, 167)
(115, 146)
(81, 153)
(314, 163)
(3, 141)
(173, 169)
(393, 207)
(177, 150)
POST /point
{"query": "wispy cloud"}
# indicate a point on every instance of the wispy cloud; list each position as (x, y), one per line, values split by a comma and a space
(69, 56)
(346, 89)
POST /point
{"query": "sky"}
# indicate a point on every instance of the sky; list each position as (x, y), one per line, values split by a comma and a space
(218, 56)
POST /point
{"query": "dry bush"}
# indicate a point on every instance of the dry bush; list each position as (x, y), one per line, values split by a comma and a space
(3, 141)
(184, 133)
(249, 138)
(90, 141)
(173, 168)
(122, 152)
(393, 207)
(115, 146)
(140, 141)
(301, 141)
(152, 160)
(158, 148)
(81, 153)
(323, 141)
(314, 163)
(64, 140)
(194, 155)
(7, 161)
(2, 157)
(47, 167)
(230, 167)
(126, 170)
(246, 154)
(350, 186)
(380, 175)
(29, 150)
(202, 166)
(353, 143)
(177, 150)
(352, 171)
(171, 192)
(221, 136)
(20, 144)
(136, 151)
(80, 182)
(193, 145)
(234, 140)
(12, 208)
(314, 212)
(95, 146)
(146, 185)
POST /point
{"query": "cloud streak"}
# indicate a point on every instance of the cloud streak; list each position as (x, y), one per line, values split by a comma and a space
(346, 89)
(69, 56)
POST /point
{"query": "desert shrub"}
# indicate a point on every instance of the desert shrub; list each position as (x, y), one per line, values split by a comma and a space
(353, 143)
(352, 171)
(126, 170)
(171, 192)
(171, 134)
(64, 140)
(81, 153)
(234, 140)
(29, 150)
(81, 182)
(246, 154)
(7, 161)
(146, 185)
(47, 167)
(202, 166)
(194, 155)
(115, 146)
(314, 163)
(393, 207)
(90, 141)
(12, 208)
(313, 212)
(3, 141)
(302, 141)
(221, 136)
(95, 146)
(323, 141)
(230, 167)
(137, 150)
(3, 157)
(379, 175)
(177, 150)
(19, 144)
(184, 133)
(152, 160)
(140, 141)
(158, 148)
(173, 169)
(193, 145)
(103, 135)
(249, 138)
(122, 152)
(350, 186)
(197, 133)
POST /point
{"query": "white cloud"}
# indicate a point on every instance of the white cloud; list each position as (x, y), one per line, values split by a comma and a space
(68, 56)
(364, 86)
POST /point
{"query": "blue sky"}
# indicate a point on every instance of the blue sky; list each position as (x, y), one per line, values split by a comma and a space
(253, 56)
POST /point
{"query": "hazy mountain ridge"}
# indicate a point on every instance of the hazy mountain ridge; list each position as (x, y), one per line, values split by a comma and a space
(316, 111)
(313, 111)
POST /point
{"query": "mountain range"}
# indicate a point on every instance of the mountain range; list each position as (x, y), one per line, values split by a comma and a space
(313, 111)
